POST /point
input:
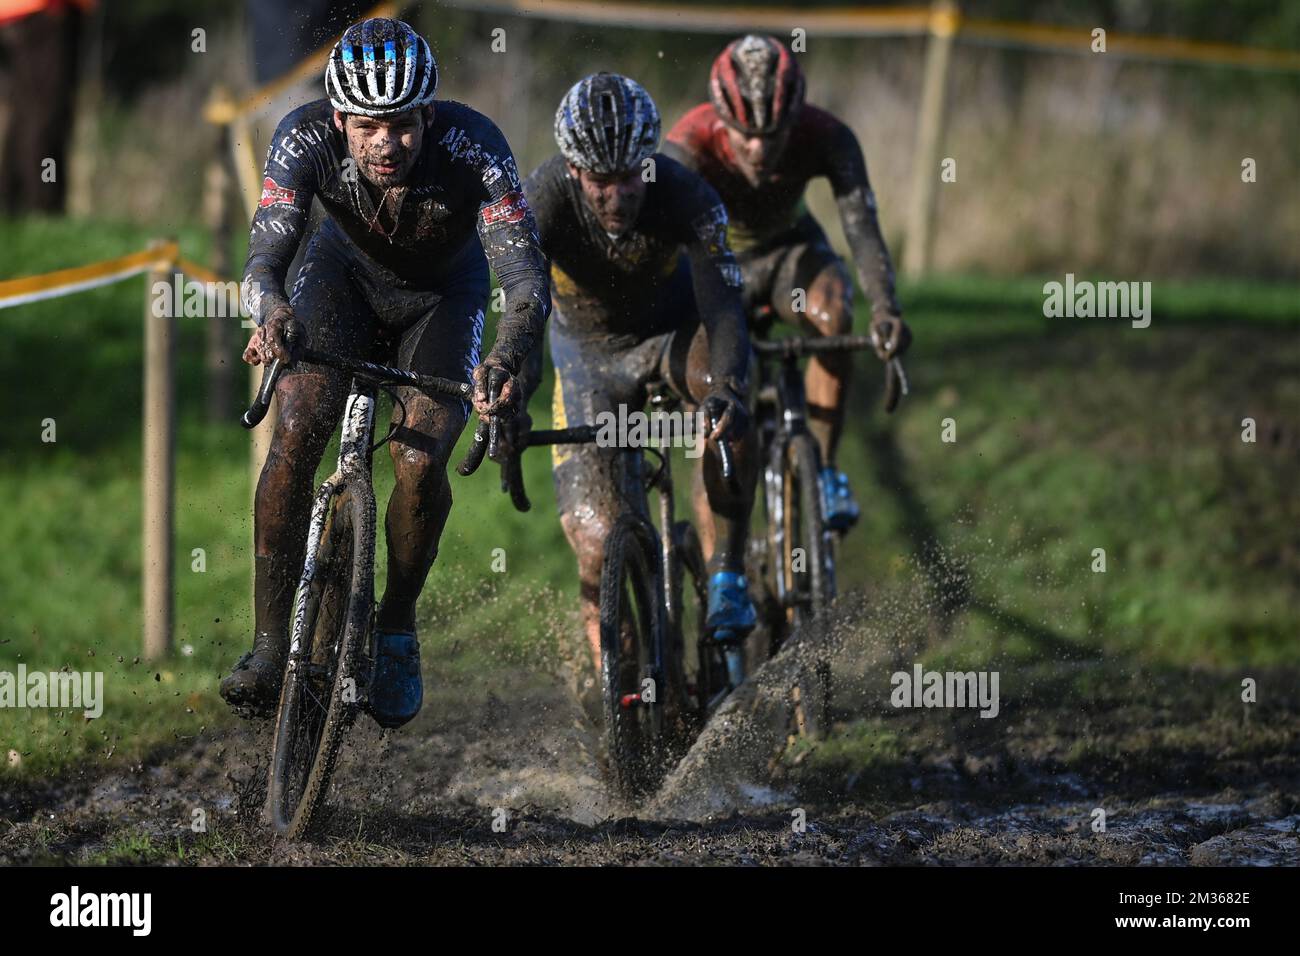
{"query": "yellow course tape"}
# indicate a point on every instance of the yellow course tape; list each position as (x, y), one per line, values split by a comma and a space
(50, 285)
(192, 268)
(66, 281)
(1156, 48)
(881, 21)
(847, 21)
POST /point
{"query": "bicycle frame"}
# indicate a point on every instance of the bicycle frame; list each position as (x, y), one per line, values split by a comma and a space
(352, 471)
(341, 663)
(635, 485)
(782, 412)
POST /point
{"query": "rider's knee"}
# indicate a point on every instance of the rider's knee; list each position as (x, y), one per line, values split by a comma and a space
(422, 468)
(586, 533)
(291, 457)
(830, 302)
(308, 404)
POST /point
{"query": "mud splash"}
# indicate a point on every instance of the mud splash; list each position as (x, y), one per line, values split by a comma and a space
(504, 766)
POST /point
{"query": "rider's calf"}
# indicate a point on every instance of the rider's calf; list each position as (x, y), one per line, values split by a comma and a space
(829, 312)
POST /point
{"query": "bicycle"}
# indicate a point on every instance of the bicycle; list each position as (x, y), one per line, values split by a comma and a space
(331, 654)
(653, 591)
(797, 553)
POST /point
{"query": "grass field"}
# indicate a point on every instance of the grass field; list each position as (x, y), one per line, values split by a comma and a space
(1072, 435)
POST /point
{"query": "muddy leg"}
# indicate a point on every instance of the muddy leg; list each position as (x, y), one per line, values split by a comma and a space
(587, 538)
(310, 404)
(722, 509)
(420, 502)
(829, 312)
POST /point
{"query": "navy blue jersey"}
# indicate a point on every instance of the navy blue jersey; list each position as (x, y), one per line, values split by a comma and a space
(461, 199)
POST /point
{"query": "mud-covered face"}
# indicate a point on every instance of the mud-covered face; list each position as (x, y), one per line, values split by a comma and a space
(616, 200)
(758, 156)
(385, 147)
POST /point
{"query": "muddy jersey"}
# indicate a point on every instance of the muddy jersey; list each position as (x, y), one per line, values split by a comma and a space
(761, 216)
(461, 199)
(628, 288)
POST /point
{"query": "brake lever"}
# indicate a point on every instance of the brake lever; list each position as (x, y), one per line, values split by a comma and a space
(497, 381)
(895, 378)
(895, 383)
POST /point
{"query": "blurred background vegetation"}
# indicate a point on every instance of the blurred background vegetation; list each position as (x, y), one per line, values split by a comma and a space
(1065, 161)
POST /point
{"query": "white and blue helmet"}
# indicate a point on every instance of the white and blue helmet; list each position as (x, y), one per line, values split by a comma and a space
(379, 67)
(607, 124)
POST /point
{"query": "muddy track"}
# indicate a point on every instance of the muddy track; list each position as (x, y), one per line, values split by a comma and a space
(510, 771)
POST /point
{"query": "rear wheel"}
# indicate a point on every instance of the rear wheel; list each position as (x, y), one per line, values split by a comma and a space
(807, 554)
(322, 682)
(631, 638)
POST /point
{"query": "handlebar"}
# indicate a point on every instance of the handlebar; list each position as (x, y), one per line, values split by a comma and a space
(799, 346)
(789, 349)
(379, 374)
(488, 430)
(512, 475)
(485, 435)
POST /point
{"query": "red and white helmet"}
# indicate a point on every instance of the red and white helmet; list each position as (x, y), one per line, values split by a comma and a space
(755, 85)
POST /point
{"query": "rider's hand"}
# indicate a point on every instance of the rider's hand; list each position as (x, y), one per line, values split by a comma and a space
(890, 335)
(491, 376)
(282, 336)
(726, 413)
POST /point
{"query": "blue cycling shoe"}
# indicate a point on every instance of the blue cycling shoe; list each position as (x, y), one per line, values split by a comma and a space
(839, 508)
(396, 693)
(731, 612)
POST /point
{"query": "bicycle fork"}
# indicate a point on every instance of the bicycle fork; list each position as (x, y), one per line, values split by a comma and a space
(353, 461)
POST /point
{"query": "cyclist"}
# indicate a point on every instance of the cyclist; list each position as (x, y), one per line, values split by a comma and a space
(420, 197)
(759, 144)
(644, 288)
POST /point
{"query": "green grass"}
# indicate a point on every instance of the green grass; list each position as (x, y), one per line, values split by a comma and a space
(1071, 435)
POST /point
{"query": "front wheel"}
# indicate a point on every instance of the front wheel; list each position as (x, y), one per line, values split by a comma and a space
(332, 616)
(803, 549)
(800, 545)
(632, 643)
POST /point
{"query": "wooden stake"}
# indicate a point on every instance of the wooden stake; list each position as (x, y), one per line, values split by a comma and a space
(158, 549)
(944, 22)
(221, 331)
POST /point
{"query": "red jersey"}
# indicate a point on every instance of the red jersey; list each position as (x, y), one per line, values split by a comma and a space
(819, 145)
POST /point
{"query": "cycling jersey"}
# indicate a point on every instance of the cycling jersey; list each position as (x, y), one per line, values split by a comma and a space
(629, 288)
(461, 199)
(356, 309)
(763, 217)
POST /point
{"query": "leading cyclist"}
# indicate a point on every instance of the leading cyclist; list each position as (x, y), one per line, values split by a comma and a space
(421, 197)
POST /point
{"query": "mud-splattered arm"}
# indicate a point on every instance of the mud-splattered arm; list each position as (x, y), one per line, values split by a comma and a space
(295, 160)
(847, 172)
(509, 234)
(717, 294)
